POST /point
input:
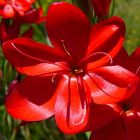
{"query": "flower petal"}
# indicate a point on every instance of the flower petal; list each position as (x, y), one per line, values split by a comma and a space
(32, 58)
(33, 99)
(72, 105)
(2, 2)
(8, 32)
(8, 11)
(118, 75)
(22, 6)
(96, 118)
(133, 62)
(134, 100)
(112, 131)
(31, 16)
(111, 84)
(122, 58)
(68, 27)
(125, 128)
(106, 40)
(101, 7)
(132, 124)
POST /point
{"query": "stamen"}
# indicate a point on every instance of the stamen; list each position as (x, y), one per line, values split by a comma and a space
(53, 77)
(98, 53)
(27, 54)
(100, 88)
(137, 71)
(78, 71)
(35, 58)
(63, 44)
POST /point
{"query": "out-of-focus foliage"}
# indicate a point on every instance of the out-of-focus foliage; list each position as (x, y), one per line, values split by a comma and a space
(129, 10)
(47, 130)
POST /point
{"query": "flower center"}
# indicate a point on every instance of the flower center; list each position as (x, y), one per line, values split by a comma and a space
(126, 107)
(76, 71)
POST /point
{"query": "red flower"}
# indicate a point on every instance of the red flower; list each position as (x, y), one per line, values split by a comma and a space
(8, 8)
(62, 80)
(8, 32)
(134, 64)
(12, 86)
(126, 126)
(32, 16)
(101, 7)
(11, 31)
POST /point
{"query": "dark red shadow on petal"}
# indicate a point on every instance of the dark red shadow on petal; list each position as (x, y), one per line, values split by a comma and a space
(37, 89)
(99, 116)
(111, 131)
(121, 58)
(33, 99)
(134, 62)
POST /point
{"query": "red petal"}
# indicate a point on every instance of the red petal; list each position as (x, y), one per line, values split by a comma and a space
(132, 124)
(111, 84)
(22, 6)
(100, 115)
(134, 61)
(9, 32)
(32, 16)
(106, 39)
(32, 58)
(112, 131)
(122, 58)
(8, 11)
(68, 27)
(126, 129)
(72, 105)
(33, 99)
(118, 75)
(134, 100)
(101, 7)
(2, 2)
(12, 86)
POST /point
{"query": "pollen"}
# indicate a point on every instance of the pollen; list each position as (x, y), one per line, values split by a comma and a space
(78, 71)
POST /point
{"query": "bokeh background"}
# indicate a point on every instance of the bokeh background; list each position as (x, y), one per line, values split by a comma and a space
(10, 129)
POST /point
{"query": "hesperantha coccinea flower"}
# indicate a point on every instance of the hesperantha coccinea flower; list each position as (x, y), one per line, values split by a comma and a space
(8, 8)
(64, 79)
(12, 30)
(126, 124)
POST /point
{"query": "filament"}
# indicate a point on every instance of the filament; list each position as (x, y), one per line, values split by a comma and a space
(53, 77)
(98, 53)
(137, 71)
(63, 44)
(29, 56)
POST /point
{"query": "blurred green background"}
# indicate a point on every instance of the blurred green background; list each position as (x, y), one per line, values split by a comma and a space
(129, 10)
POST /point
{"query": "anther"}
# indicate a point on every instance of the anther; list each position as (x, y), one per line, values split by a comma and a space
(77, 71)
(53, 77)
